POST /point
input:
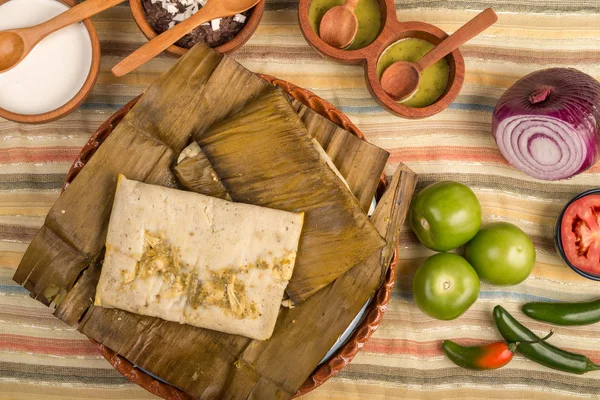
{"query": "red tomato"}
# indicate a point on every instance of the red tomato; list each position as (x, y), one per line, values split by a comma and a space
(580, 234)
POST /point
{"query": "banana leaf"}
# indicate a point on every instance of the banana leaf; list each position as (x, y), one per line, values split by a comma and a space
(360, 162)
(264, 156)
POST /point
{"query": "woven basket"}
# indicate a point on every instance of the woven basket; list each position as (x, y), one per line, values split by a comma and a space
(363, 331)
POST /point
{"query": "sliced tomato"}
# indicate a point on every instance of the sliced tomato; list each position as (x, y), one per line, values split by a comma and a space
(580, 234)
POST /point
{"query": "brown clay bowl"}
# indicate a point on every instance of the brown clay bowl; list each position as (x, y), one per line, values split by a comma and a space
(79, 98)
(391, 31)
(364, 330)
(242, 37)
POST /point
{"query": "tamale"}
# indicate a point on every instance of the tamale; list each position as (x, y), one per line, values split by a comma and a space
(208, 365)
(196, 259)
(143, 146)
(360, 162)
(264, 156)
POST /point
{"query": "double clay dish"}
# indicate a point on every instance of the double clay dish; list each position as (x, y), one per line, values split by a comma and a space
(382, 40)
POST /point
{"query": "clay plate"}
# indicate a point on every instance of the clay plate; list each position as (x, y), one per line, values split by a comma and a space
(357, 339)
(242, 37)
(391, 31)
(83, 93)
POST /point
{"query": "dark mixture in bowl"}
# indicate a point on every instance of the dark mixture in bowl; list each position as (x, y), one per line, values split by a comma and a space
(164, 14)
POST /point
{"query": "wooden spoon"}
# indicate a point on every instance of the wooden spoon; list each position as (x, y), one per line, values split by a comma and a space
(339, 25)
(15, 44)
(401, 79)
(212, 10)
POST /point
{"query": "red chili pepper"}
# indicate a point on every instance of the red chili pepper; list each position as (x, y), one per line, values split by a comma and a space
(487, 356)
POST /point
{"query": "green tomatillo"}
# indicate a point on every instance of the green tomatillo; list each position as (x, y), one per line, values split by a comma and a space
(502, 254)
(445, 215)
(445, 286)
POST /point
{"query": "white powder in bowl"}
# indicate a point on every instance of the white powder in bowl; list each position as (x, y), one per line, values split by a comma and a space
(54, 71)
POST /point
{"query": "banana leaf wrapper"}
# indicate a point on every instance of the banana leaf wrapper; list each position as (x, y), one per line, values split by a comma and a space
(211, 365)
(264, 156)
(357, 160)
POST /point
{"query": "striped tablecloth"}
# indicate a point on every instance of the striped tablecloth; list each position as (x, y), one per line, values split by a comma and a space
(41, 358)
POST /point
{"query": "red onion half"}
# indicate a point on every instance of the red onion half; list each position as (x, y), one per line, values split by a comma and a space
(548, 123)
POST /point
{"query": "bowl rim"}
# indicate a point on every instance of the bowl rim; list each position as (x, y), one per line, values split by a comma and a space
(558, 235)
(79, 97)
(238, 40)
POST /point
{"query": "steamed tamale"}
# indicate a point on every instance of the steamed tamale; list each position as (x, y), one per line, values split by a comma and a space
(143, 146)
(197, 260)
(211, 365)
(264, 156)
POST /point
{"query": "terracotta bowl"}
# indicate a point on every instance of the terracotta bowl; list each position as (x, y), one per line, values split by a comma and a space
(391, 31)
(242, 37)
(80, 97)
(359, 336)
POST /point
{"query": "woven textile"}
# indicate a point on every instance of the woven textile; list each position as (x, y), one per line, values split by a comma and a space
(42, 358)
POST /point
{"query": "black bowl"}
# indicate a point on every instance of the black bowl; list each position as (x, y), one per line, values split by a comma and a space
(558, 238)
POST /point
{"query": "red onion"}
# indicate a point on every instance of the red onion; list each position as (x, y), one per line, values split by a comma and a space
(548, 123)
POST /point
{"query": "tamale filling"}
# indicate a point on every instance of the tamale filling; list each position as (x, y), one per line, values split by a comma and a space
(221, 289)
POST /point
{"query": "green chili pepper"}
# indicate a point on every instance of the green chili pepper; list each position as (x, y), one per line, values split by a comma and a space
(542, 353)
(564, 313)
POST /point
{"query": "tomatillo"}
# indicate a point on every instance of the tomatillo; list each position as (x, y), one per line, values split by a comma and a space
(445, 215)
(445, 286)
(502, 254)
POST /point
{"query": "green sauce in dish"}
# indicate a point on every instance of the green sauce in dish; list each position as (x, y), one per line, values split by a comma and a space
(367, 12)
(433, 80)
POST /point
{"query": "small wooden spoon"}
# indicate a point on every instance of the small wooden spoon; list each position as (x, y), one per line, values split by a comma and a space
(339, 25)
(401, 79)
(15, 44)
(212, 10)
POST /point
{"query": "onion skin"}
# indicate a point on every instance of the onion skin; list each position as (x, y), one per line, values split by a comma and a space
(548, 123)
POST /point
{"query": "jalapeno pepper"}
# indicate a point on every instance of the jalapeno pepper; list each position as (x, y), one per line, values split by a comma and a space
(541, 352)
(564, 313)
(487, 356)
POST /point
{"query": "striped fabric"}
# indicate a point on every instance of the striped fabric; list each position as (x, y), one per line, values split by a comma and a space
(41, 358)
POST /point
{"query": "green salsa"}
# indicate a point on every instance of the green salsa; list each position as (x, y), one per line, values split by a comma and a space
(433, 80)
(367, 12)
